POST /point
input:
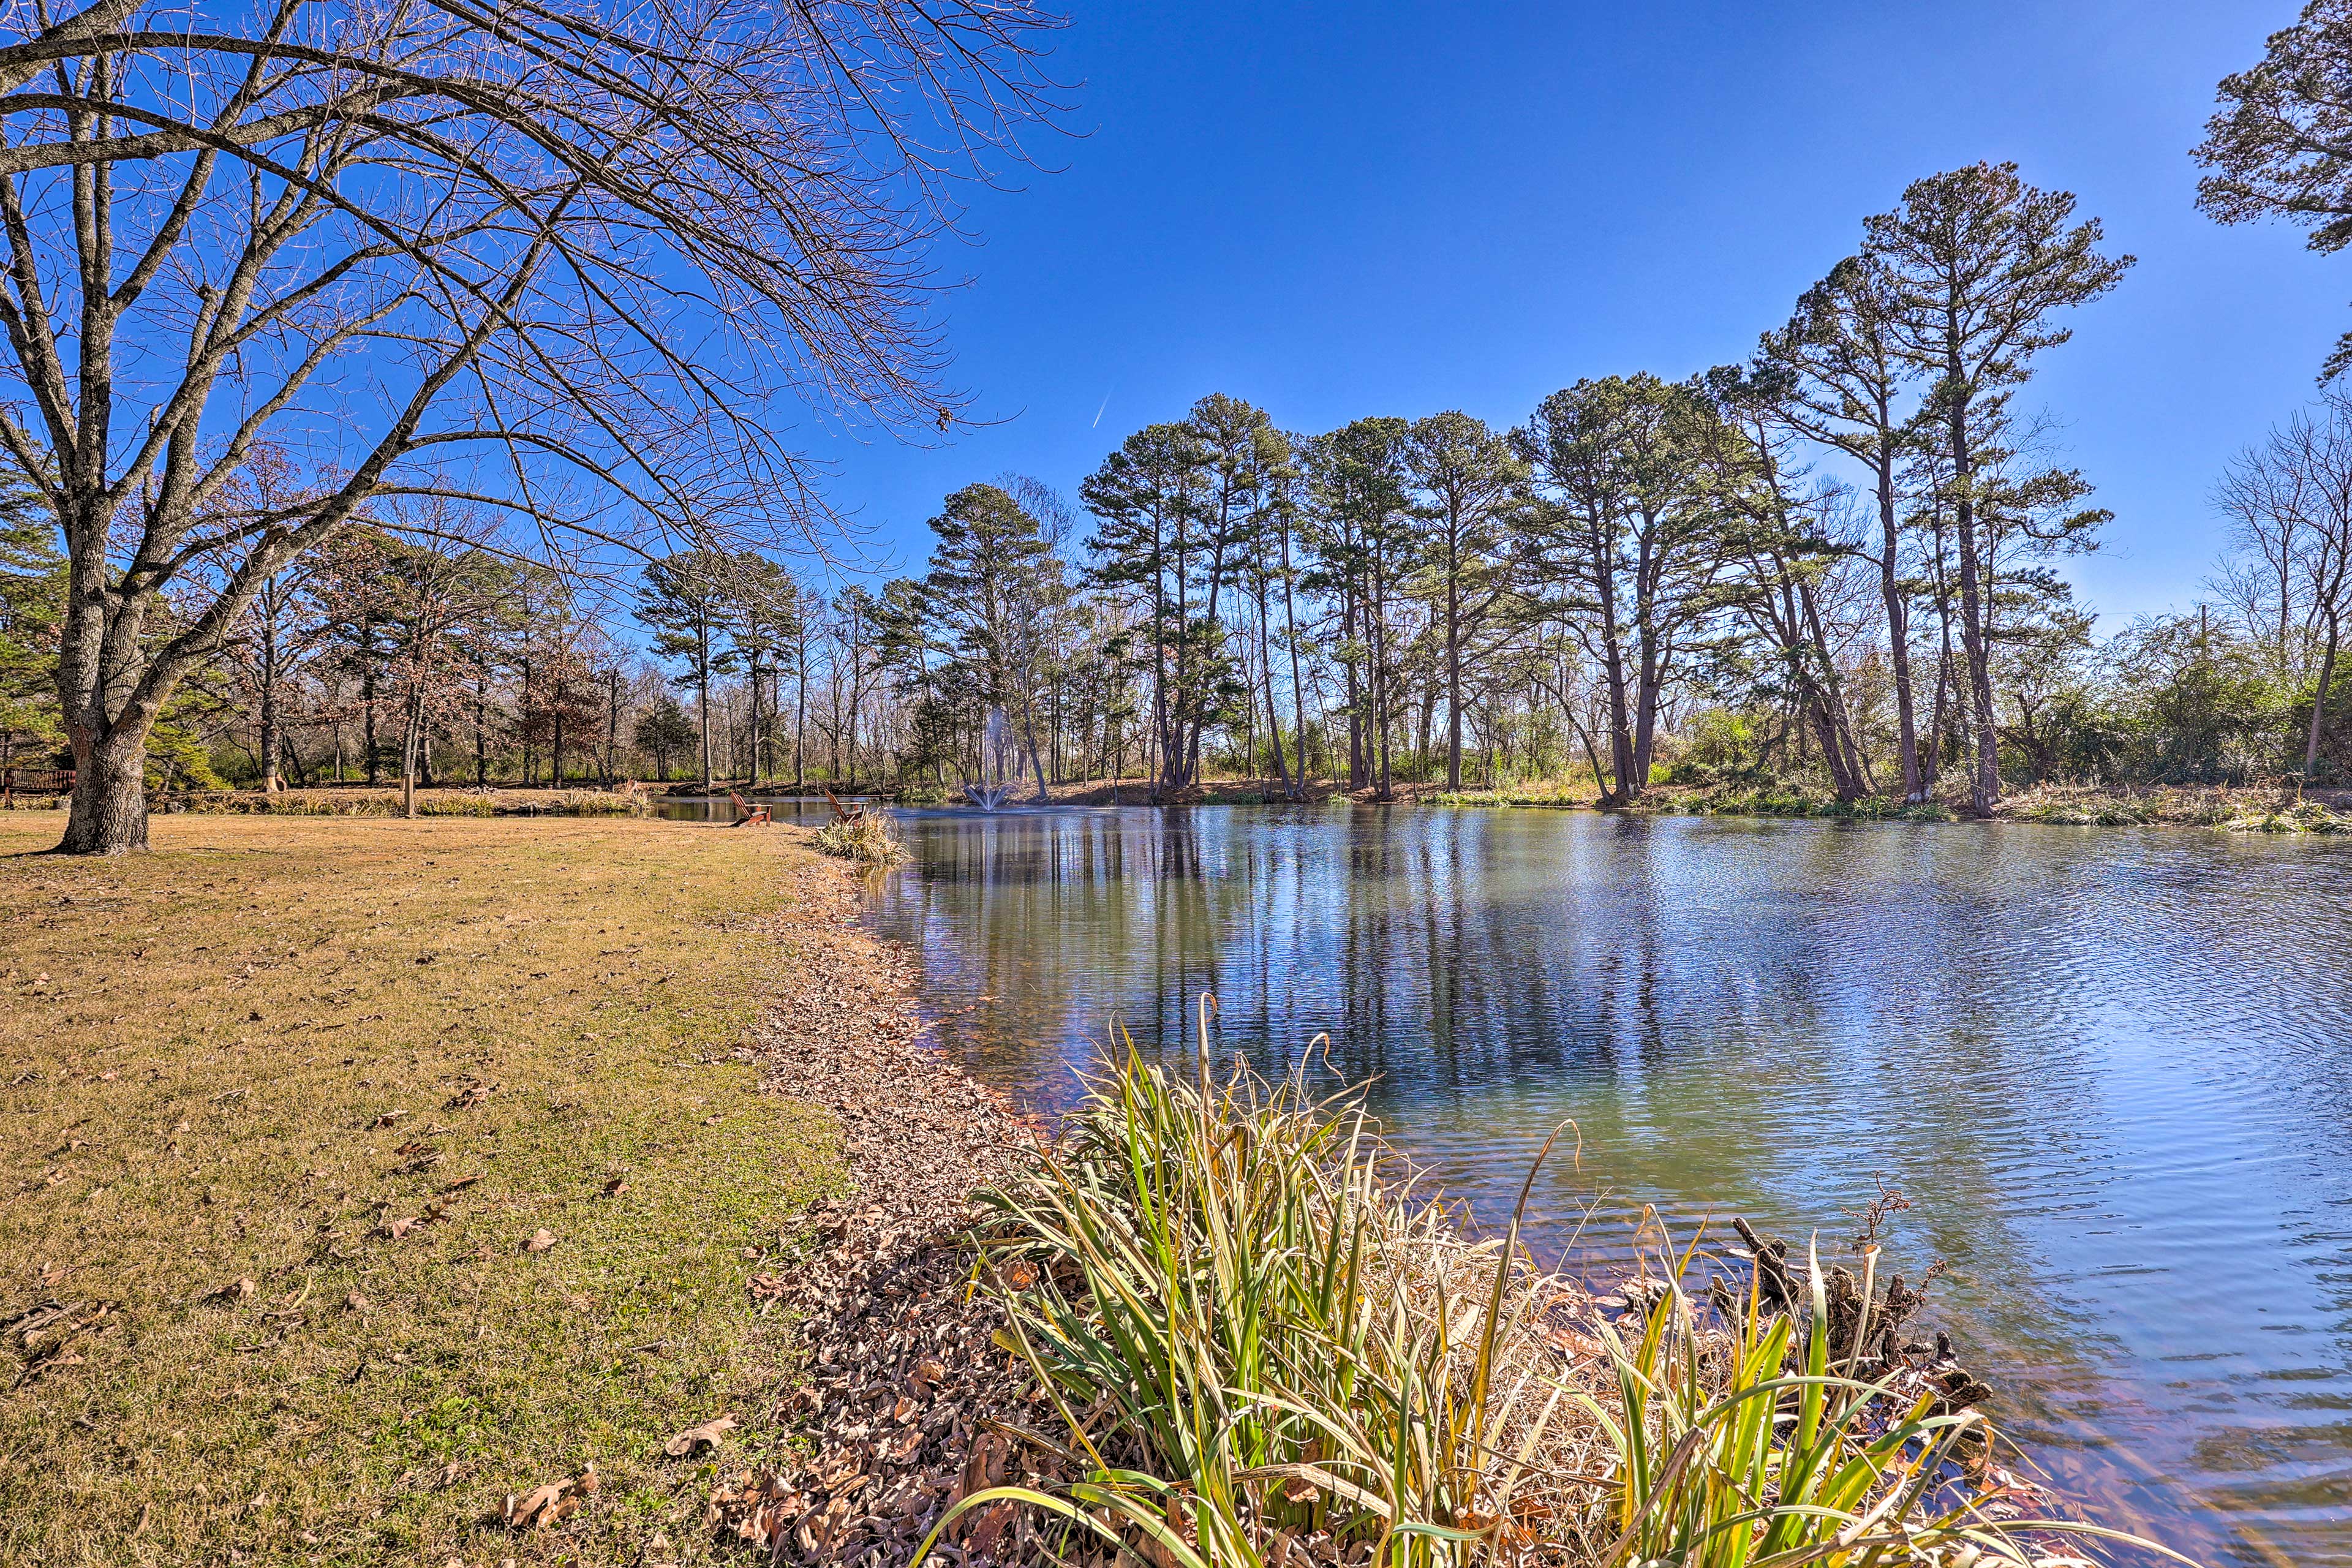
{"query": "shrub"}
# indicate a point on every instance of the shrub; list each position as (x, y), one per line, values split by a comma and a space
(868, 838)
(1266, 1343)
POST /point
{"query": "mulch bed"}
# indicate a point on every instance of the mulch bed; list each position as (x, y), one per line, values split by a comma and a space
(907, 1405)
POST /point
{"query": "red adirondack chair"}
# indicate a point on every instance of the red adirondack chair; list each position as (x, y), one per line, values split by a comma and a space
(746, 813)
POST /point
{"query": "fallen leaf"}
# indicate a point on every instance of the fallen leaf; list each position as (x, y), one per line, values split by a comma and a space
(534, 1508)
(236, 1290)
(388, 1118)
(615, 1187)
(461, 1183)
(765, 1286)
(397, 1228)
(694, 1437)
(540, 1240)
(355, 1302)
(50, 1363)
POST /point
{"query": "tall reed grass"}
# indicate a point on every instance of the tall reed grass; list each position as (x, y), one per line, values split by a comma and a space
(1265, 1342)
(868, 838)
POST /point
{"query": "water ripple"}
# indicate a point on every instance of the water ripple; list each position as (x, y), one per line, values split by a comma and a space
(2112, 1064)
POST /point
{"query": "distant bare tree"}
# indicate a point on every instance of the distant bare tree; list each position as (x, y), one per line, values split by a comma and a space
(2289, 501)
(560, 260)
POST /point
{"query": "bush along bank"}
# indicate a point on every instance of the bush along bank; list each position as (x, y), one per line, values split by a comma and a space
(1260, 1341)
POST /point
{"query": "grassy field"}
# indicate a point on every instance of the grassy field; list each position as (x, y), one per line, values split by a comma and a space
(358, 1175)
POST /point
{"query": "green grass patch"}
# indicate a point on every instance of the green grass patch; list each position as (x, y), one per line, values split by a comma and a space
(361, 1064)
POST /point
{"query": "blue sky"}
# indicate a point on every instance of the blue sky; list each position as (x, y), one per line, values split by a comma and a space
(1336, 210)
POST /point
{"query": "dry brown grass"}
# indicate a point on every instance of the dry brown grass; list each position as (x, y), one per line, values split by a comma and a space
(244, 1056)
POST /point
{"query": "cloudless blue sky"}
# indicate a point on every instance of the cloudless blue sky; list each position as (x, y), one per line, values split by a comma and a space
(1341, 209)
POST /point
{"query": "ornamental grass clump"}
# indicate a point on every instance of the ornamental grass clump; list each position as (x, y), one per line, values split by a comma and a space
(867, 838)
(1260, 1340)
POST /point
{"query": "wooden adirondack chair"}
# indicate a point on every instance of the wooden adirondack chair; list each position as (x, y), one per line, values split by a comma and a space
(746, 813)
(851, 813)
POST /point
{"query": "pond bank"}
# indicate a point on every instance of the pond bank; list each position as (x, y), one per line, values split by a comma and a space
(912, 1408)
(897, 1383)
(2238, 809)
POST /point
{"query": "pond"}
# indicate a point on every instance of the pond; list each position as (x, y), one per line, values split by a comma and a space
(2112, 1067)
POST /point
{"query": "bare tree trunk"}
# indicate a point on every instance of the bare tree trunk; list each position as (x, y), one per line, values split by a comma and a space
(1899, 633)
(1984, 784)
(1273, 713)
(2320, 701)
(703, 697)
(408, 739)
(1453, 676)
(613, 728)
(367, 701)
(1356, 769)
(1850, 766)
(270, 737)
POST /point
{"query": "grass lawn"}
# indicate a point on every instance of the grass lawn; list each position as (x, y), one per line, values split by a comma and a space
(283, 1107)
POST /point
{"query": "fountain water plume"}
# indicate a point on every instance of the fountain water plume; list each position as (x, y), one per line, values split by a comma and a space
(994, 737)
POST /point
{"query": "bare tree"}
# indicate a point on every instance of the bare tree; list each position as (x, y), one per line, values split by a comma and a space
(564, 260)
(2289, 501)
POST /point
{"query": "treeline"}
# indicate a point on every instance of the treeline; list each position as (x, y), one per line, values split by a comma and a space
(1833, 562)
(395, 655)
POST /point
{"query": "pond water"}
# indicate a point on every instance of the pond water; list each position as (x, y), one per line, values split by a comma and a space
(2112, 1067)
